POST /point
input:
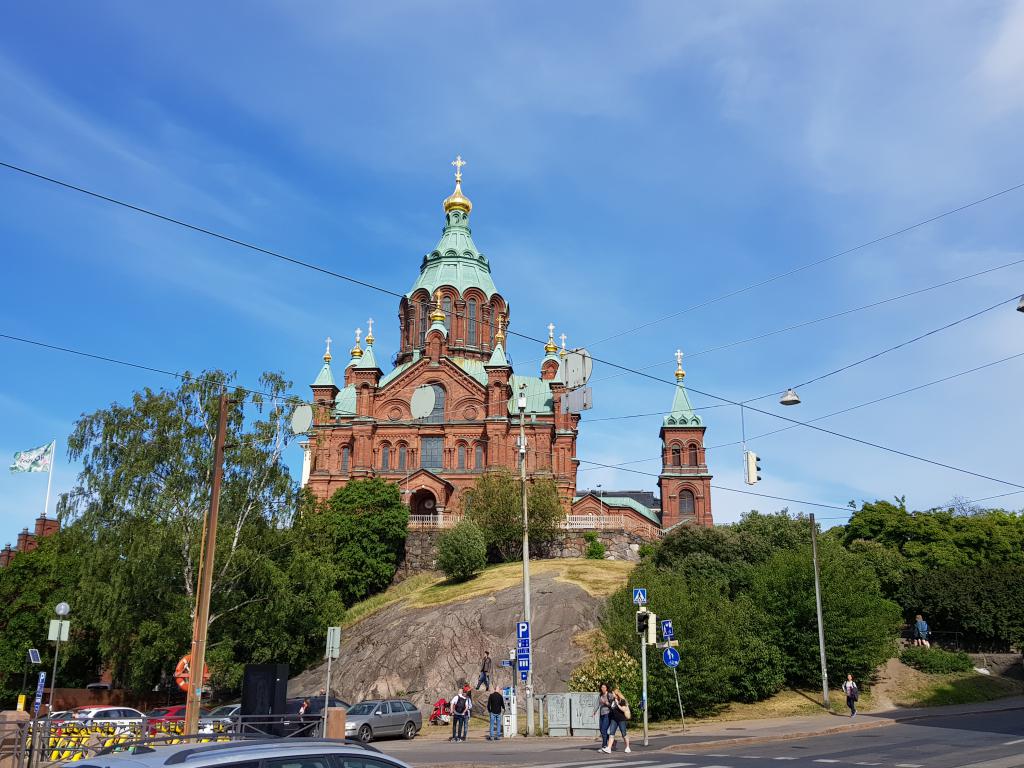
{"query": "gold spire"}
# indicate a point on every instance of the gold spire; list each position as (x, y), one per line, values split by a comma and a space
(564, 353)
(456, 200)
(327, 354)
(437, 316)
(369, 332)
(357, 351)
(550, 347)
(680, 373)
(499, 336)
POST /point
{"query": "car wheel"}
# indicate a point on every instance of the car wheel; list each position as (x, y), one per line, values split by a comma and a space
(409, 732)
(365, 734)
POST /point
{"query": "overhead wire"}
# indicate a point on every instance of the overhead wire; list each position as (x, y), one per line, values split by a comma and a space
(298, 262)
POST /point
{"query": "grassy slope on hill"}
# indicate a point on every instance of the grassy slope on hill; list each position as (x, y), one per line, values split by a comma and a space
(597, 577)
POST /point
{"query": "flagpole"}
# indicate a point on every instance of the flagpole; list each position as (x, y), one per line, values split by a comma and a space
(49, 482)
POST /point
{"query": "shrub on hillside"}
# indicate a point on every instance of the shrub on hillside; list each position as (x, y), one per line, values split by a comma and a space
(462, 551)
(595, 547)
(936, 661)
(611, 667)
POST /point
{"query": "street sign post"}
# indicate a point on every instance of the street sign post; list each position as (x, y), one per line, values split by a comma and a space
(332, 652)
(523, 649)
(639, 596)
(672, 658)
(38, 702)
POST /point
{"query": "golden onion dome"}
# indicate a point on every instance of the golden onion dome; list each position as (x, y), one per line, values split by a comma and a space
(457, 201)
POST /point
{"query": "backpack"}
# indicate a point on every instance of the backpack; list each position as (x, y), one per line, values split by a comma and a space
(460, 705)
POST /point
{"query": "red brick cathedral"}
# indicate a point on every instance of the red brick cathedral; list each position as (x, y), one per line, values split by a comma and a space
(453, 345)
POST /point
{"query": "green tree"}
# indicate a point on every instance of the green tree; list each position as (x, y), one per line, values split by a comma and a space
(860, 624)
(139, 503)
(462, 551)
(495, 504)
(361, 531)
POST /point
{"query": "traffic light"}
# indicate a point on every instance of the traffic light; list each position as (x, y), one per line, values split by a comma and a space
(652, 629)
(752, 467)
(641, 622)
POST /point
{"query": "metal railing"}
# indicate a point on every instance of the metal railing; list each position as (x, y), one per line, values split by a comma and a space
(624, 523)
(420, 522)
(44, 742)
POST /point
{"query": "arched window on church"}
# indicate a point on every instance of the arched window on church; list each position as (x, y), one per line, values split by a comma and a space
(686, 503)
(402, 456)
(344, 459)
(461, 456)
(676, 456)
(471, 322)
(693, 455)
(424, 321)
(478, 457)
(385, 457)
(446, 305)
(437, 415)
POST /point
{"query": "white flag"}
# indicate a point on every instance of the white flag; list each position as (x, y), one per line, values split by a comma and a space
(35, 459)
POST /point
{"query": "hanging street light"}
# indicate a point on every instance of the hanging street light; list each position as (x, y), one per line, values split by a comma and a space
(790, 398)
(1020, 307)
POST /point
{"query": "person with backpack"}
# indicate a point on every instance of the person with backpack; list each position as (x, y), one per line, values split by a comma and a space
(495, 709)
(461, 706)
(921, 631)
(852, 694)
(618, 714)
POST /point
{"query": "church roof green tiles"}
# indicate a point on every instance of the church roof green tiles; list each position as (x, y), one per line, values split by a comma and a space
(682, 414)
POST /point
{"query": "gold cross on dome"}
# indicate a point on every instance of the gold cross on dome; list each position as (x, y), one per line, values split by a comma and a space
(359, 332)
(562, 337)
(369, 328)
(551, 331)
(458, 162)
(328, 340)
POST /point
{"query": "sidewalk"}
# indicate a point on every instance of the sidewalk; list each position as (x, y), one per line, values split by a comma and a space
(738, 732)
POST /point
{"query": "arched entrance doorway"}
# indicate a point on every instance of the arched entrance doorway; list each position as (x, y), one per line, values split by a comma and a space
(423, 502)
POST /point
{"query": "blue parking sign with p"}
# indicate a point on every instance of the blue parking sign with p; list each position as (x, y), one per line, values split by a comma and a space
(639, 596)
(523, 630)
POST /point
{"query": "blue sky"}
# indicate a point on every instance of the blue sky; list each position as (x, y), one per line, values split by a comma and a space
(625, 162)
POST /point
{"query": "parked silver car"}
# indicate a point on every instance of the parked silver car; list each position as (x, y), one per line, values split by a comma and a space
(383, 717)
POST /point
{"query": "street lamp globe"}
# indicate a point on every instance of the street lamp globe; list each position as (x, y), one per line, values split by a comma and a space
(62, 609)
(1020, 307)
(790, 398)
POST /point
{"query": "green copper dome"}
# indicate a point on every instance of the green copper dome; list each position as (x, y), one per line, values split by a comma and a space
(455, 261)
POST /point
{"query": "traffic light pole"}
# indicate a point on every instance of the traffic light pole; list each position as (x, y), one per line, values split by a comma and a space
(643, 669)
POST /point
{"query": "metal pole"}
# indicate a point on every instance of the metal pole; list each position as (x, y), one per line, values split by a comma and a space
(327, 693)
(817, 600)
(53, 680)
(49, 482)
(201, 621)
(643, 667)
(526, 560)
(682, 715)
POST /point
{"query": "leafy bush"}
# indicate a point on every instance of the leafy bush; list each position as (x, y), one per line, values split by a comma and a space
(595, 547)
(611, 667)
(936, 661)
(495, 503)
(462, 551)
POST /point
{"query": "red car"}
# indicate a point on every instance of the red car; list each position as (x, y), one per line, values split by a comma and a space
(172, 714)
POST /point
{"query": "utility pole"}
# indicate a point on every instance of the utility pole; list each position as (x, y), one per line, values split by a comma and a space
(817, 600)
(643, 668)
(208, 549)
(521, 402)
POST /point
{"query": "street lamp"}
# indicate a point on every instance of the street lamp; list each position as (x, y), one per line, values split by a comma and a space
(604, 509)
(1020, 307)
(790, 398)
(58, 631)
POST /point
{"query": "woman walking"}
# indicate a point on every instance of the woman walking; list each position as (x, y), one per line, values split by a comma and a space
(618, 714)
(852, 694)
(604, 708)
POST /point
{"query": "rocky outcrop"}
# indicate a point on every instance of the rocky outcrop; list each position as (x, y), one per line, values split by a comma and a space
(424, 653)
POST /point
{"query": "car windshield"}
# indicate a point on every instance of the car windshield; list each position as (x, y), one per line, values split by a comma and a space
(364, 708)
(157, 713)
(224, 711)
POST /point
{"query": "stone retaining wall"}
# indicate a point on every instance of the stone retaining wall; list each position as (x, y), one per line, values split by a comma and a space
(421, 549)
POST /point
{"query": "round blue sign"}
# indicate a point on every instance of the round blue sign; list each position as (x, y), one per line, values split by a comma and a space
(671, 657)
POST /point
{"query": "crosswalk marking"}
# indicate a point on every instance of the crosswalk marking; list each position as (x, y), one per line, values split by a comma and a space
(909, 765)
(783, 758)
(1011, 743)
(867, 763)
(673, 765)
(823, 760)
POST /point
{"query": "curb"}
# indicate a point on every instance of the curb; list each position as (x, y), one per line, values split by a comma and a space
(742, 740)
